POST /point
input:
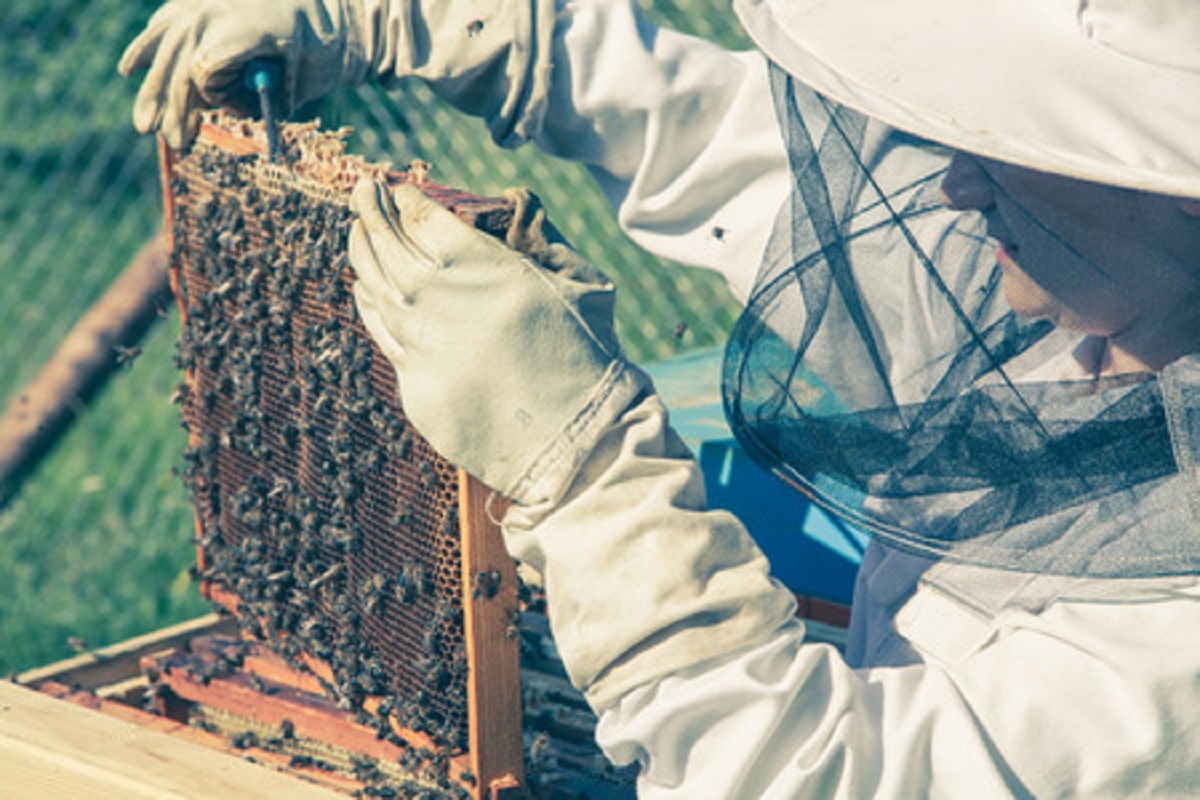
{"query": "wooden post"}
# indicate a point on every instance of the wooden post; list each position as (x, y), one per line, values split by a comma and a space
(490, 621)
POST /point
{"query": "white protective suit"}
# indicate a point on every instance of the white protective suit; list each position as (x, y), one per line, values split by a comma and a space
(958, 681)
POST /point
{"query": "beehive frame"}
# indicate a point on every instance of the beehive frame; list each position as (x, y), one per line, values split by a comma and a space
(272, 471)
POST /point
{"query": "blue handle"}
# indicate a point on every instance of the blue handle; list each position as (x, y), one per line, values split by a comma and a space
(261, 75)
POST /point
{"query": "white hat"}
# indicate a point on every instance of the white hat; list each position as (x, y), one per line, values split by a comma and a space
(1102, 90)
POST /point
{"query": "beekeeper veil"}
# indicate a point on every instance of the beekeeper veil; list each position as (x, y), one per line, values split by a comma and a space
(879, 366)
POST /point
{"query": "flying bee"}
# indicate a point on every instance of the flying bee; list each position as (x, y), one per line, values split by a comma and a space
(125, 356)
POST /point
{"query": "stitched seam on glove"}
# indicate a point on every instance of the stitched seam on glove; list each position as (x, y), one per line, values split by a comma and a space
(551, 473)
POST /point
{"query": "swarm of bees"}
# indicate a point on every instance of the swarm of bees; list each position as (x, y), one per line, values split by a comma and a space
(329, 520)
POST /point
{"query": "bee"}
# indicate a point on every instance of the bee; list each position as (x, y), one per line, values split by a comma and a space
(404, 515)
(412, 581)
(327, 575)
(486, 585)
(348, 539)
(282, 488)
(372, 592)
(125, 356)
(539, 751)
(181, 394)
(402, 445)
(370, 462)
(428, 474)
(322, 405)
(410, 760)
(450, 522)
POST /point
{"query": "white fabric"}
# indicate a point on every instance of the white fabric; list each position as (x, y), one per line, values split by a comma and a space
(676, 131)
(967, 683)
(642, 580)
(1093, 697)
(1159, 31)
(1034, 82)
(490, 60)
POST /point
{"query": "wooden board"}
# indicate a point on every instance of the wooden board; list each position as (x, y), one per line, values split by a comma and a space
(49, 748)
(100, 669)
(490, 618)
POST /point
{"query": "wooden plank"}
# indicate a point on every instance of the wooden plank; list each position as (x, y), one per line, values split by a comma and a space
(826, 612)
(490, 610)
(183, 730)
(313, 716)
(267, 691)
(54, 749)
(120, 662)
(268, 666)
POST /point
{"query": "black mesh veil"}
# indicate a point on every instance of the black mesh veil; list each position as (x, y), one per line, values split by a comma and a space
(879, 369)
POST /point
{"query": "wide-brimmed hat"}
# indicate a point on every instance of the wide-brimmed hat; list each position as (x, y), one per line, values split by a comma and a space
(1101, 90)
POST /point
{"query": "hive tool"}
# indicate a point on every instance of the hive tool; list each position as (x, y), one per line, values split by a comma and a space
(262, 76)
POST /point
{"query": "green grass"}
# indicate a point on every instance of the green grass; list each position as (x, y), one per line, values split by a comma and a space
(98, 543)
(94, 545)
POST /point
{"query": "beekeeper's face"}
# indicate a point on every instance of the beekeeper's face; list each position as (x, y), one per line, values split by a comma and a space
(1088, 257)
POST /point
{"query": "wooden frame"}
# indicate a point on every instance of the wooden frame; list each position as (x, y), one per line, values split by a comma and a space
(494, 758)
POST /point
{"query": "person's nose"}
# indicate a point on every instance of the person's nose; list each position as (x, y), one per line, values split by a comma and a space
(966, 186)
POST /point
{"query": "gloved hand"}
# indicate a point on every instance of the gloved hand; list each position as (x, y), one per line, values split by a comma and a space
(488, 59)
(196, 52)
(501, 356)
(507, 363)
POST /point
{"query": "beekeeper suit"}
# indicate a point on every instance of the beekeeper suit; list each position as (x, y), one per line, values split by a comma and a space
(986, 359)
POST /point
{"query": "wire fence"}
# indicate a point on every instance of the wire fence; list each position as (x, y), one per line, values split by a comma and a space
(97, 544)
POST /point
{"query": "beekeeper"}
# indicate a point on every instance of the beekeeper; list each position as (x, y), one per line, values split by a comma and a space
(967, 237)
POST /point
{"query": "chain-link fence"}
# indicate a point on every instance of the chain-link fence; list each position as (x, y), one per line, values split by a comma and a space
(97, 543)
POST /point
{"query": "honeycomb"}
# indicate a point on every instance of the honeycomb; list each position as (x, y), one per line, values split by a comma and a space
(323, 518)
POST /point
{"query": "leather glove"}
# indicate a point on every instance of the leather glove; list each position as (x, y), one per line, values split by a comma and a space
(502, 357)
(196, 51)
(508, 364)
(488, 59)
